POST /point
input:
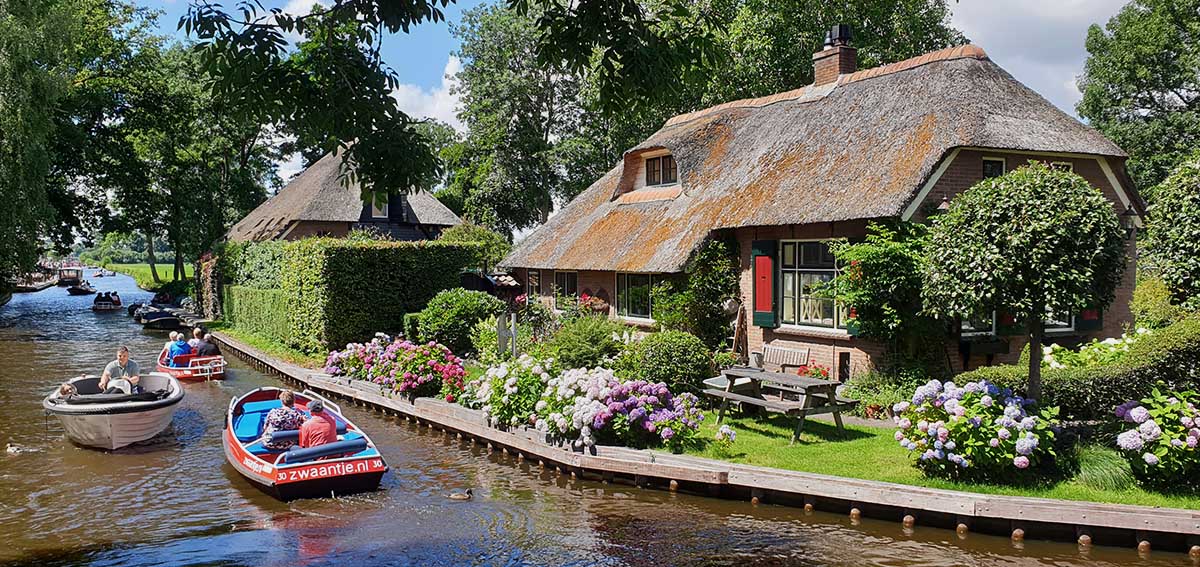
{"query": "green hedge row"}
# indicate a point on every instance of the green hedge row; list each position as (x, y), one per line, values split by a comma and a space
(1170, 355)
(339, 291)
(263, 312)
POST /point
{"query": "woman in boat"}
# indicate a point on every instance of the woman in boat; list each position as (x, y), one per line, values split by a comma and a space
(283, 418)
(177, 348)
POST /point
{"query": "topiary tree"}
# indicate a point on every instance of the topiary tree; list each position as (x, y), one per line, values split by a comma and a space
(1174, 233)
(677, 358)
(495, 245)
(1031, 242)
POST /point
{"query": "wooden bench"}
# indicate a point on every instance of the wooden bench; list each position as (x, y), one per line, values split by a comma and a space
(817, 396)
(770, 358)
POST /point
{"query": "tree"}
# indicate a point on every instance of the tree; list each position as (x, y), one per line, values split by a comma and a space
(495, 246)
(1174, 233)
(1032, 242)
(1141, 84)
(696, 304)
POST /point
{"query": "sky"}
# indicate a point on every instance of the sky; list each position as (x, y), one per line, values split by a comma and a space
(1040, 42)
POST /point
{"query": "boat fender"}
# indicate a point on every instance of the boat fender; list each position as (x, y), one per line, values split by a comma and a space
(327, 450)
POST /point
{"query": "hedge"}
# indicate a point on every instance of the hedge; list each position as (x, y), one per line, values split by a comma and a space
(263, 312)
(252, 264)
(1170, 355)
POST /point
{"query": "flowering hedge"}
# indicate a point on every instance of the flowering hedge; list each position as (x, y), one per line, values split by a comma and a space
(1108, 351)
(571, 402)
(400, 366)
(1161, 446)
(975, 432)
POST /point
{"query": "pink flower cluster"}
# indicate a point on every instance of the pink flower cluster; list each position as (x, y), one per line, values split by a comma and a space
(400, 366)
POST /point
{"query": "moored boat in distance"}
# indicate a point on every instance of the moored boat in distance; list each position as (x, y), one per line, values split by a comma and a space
(111, 421)
(70, 276)
(158, 319)
(81, 289)
(351, 464)
(192, 368)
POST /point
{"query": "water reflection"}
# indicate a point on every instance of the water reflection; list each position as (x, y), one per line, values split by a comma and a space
(176, 502)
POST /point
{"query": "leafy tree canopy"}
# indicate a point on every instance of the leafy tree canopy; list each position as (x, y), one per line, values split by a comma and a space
(1141, 84)
(1174, 233)
(495, 245)
(1033, 241)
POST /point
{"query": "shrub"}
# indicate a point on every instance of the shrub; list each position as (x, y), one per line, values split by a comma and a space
(723, 442)
(675, 358)
(697, 305)
(493, 245)
(1162, 444)
(587, 342)
(877, 392)
(508, 393)
(1151, 304)
(724, 359)
(976, 432)
(1097, 352)
(881, 283)
(486, 343)
(452, 314)
(412, 326)
(263, 312)
(645, 414)
(571, 402)
(400, 366)
(1173, 238)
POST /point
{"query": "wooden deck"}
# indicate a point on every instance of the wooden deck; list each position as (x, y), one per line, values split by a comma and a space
(1036, 518)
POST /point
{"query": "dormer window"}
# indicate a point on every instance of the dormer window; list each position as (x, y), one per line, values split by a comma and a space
(379, 211)
(661, 170)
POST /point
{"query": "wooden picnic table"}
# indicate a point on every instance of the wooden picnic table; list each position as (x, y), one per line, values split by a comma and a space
(817, 396)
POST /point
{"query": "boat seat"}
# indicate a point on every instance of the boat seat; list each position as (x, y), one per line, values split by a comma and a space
(182, 360)
(294, 434)
(349, 446)
(249, 425)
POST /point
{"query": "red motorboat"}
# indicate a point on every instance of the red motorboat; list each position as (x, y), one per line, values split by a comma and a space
(349, 465)
(192, 368)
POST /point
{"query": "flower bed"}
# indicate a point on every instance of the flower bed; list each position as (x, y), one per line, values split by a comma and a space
(1161, 445)
(1107, 351)
(976, 432)
(400, 366)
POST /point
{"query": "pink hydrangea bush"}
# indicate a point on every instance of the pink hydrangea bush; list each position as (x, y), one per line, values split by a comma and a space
(975, 432)
(1162, 441)
(400, 366)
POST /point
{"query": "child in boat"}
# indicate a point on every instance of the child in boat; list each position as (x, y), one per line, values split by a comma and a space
(283, 418)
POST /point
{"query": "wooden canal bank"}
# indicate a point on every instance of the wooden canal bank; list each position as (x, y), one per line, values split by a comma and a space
(1019, 517)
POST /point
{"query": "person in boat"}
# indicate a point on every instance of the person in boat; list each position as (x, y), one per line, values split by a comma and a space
(283, 418)
(121, 369)
(179, 347)
(319, 429)
(207, 346)
(67, 390)
(96, 300)
(171, 338)
(197, 337)
(116, 299)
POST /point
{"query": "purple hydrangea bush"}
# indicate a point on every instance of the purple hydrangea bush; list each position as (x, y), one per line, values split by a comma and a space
(1162, 439)
(975, 432)
(570, 403)
(645, 413)
(398, 365)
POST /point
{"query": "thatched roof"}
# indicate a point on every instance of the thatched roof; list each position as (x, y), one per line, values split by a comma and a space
(317, 194)
(859, 148)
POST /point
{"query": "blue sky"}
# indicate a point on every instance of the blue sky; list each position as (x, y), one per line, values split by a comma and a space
(1039, 42)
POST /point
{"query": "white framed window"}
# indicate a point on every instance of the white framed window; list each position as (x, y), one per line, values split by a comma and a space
(661, 170)
(1059, 322)
(633, 295)
(994, 167)
(1062, 165)
(533, 284)
(566, 284)
(379, 211)
(805, 266)
(980, 325)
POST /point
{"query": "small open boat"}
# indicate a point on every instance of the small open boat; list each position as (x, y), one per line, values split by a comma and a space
(81, 289)
(159, 319)
(112, 421)
(106, 306)
(192, 368)
(351, 464)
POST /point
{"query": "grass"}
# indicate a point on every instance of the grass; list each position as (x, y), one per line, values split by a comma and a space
(272, 348)
(141, 274)
(872, 454)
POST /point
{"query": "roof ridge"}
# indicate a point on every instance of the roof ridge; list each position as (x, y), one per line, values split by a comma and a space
(966, 51)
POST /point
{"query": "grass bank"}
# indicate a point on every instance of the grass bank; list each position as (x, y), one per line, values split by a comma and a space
(271, 347)
(871, 453)
(141, 274)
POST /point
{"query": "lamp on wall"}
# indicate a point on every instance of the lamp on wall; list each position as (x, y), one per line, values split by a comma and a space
(1129, 220)
(944, 205)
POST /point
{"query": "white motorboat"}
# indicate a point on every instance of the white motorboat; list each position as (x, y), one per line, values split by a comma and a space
(111, 421)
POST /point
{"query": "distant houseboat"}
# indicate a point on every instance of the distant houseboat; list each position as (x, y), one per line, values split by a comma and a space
(69, 276)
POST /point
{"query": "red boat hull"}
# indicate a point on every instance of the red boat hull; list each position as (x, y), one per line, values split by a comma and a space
(196, 368)
(313, 479)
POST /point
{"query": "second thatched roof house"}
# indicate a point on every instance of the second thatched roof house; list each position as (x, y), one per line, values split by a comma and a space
(315, 203)
(782, 173)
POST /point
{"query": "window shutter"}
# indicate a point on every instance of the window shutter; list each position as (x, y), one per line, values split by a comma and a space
(1089, 320)
(765, 294)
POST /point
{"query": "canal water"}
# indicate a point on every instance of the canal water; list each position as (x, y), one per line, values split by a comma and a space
(175, 501)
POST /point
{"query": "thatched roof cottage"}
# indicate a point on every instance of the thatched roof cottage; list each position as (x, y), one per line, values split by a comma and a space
(781, 173)
(316, 203)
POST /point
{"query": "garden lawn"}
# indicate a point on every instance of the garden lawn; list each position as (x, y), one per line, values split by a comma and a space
(872, 454)
(141, 273)
(273, 348)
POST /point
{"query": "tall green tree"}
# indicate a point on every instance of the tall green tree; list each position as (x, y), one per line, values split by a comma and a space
(1141, 84)
(1032, 242)
(1174, 233)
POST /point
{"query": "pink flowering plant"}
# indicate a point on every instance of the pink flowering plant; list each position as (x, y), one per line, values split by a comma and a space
(975, 432)
(1161, 442)
(399, 366)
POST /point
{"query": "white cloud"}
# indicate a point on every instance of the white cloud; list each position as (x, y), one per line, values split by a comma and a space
(290, 167)
(1041, 42)
(437, 102)
(300, 8)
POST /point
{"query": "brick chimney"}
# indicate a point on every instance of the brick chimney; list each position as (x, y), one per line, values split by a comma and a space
(836, 58)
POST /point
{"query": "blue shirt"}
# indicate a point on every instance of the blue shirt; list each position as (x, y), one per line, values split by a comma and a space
(177, 348)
